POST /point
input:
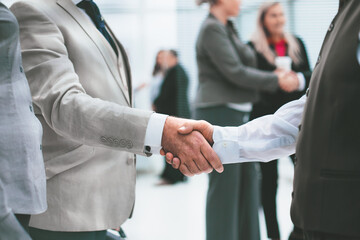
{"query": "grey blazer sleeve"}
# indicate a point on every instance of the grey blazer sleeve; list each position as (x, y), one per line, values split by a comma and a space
(222, 53)
(59, 96)
(10, 228)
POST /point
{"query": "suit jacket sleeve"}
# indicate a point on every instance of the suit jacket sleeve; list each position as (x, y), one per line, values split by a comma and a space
(219, 48)
(59, 96)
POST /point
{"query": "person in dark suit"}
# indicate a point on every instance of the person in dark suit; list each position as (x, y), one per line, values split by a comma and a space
(322, 127)
(22, 173)
(173, 100)
(270, 41)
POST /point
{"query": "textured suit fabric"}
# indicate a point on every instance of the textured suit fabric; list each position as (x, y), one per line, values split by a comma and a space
(327, 173)
(84, 104)
(268, 104)
(21, 163)
(226, 67)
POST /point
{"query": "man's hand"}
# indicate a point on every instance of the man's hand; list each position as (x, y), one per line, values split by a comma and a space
(205, 128)
(288, 81)
(190, 146)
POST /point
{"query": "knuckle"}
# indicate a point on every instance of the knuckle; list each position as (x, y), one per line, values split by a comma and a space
(203, 122)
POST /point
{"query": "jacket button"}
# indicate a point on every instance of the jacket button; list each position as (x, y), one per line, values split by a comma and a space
(299, 127)
(21, 69)
(130, 161)
(31, 108)
(331, 27)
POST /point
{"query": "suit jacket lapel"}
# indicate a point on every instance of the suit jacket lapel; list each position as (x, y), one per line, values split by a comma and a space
(101, 43)
(125, 63)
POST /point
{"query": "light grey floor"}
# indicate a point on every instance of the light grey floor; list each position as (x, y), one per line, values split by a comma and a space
(177, 212)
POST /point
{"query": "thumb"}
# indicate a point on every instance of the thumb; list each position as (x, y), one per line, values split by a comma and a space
(186, 129)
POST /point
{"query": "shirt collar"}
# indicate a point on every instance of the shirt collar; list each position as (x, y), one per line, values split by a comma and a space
(76, 1)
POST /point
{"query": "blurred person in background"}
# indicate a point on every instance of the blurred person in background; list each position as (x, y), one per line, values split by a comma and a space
(228, 85)
(272, 43)
(157, 76)
(22, 173)
(173, 100)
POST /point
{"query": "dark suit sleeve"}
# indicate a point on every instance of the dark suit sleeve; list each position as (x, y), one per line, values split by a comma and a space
(222, 54)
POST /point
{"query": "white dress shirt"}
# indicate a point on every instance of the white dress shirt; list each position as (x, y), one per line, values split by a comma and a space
(156, 123)
(263, 139)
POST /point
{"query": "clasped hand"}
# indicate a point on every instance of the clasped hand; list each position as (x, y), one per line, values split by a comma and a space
(187, 146)
(288, 81)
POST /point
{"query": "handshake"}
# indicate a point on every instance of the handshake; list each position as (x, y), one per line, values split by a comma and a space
(187, 146)
(288, 81)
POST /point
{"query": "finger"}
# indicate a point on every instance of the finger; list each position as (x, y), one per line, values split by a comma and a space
(192, 167)
(169, 158)
(183, 168)
(190, 126)
(212, 157)
(203, 165)
(162, 152)
(185, 129)
(176, 163)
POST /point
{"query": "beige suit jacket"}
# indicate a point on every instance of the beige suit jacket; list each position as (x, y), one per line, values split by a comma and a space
(90, 129)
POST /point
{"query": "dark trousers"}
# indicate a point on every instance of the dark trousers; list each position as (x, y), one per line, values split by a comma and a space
(24, 220)
(39, 234)
(172, 175)
(310, 235)
(269, 185)
(233, 196)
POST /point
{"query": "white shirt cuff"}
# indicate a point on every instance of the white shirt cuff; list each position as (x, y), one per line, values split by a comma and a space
(154, 133)
(302, 81)
(226, 144)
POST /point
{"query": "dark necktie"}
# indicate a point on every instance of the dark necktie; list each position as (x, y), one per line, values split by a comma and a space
(93, 11)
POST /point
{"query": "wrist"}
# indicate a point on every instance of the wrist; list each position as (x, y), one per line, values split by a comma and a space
(171, 126)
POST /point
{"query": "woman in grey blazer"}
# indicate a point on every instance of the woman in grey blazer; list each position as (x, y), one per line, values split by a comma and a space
(22, 174)
(228, 85)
